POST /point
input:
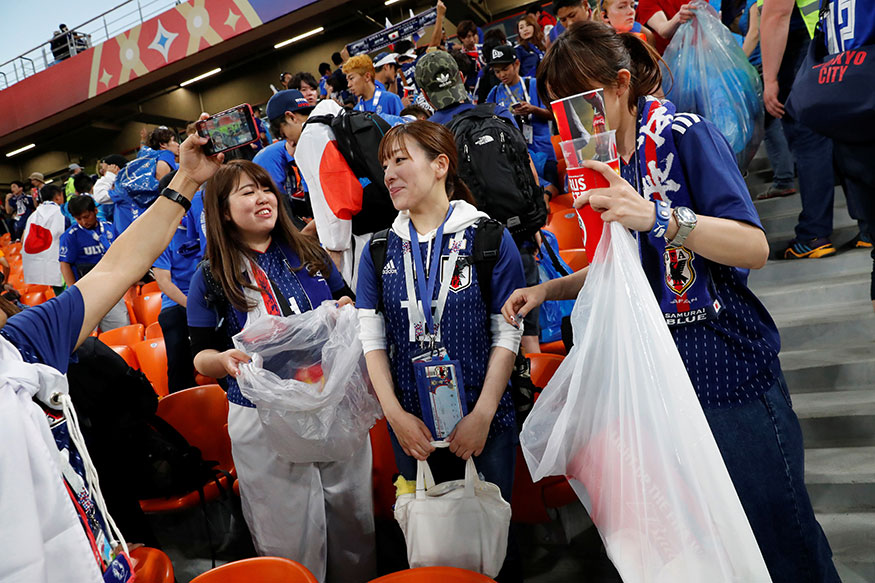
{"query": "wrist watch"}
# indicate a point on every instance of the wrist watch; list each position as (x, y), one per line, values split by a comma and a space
(686, 220)
(177, 198)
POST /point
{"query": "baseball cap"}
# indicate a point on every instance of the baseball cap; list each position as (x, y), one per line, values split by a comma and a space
(289, 100)
(437, 74)
(501, 55)
(37, 175)
(74, 167)
(385, 59)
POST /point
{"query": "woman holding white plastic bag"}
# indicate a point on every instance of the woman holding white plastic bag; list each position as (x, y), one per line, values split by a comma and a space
(694, 257)
(319, 513)
(436, 216)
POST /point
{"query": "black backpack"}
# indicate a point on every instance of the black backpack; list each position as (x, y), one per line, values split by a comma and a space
(494, 163)
(358, 135)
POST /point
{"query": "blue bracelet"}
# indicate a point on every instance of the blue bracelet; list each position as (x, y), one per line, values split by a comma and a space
(663, 214)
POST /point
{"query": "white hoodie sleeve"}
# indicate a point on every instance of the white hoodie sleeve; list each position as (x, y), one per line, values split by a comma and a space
(102, 187)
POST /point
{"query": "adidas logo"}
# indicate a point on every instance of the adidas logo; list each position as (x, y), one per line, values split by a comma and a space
(389, 269)
(444, 80)
(483, 140)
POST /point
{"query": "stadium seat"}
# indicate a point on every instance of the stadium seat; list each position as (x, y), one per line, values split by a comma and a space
(200, 414)
(259, 569)
(127, 353)
(13, 249)
(154, 331)
(33, 298)
(148, 306)
(556, 149)
(566, 228)
(5, 239)
(384, 469)
(203, 380)
(557, 347)
(564, 200)
(16, 279)
(126, 335)
(153, 362)
(433, 575)
(149, 288)
(543, 365)
(575, 258)
(151, 566)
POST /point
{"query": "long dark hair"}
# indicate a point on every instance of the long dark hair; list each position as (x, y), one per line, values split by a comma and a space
(227, 252)
(537, 37)
(434, 139)
(594, 53)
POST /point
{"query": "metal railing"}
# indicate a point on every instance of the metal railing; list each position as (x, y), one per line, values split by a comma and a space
(67, 44)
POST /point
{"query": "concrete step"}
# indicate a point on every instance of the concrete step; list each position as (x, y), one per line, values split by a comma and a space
(792, 204)
(779, 224)
(847, 324)
(837, 418)
(812, 296)
(816, 271)
(851, 536)
(829, 368)
(841, 479)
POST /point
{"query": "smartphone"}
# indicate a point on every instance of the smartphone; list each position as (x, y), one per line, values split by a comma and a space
(516, 106)
(230, 129)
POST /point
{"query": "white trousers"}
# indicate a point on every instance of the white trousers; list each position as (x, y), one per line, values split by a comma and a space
(319, 514)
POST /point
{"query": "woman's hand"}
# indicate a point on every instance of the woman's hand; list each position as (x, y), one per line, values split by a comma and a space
(618, 201)
(230, 361)
(413, 436)
(345, 300)
(193, 163)
(469, 435)
(686, 12)
(521, 302)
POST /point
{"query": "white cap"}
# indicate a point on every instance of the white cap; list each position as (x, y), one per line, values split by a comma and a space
(387, 59)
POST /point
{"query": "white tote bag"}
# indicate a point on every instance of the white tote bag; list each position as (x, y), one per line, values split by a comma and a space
(460, 523)
(621, 419)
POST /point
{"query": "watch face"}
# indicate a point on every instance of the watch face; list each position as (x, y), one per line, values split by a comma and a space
(685, 215)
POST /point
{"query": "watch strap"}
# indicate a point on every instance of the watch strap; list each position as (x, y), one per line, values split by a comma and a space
(684, 230)
(176, 197)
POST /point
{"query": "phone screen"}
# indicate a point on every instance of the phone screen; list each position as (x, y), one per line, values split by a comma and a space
(228, 130)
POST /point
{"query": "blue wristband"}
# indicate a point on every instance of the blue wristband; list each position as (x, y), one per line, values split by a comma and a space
(663, 214)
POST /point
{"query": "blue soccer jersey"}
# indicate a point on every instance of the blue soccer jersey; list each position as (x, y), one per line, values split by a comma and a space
(83, 248)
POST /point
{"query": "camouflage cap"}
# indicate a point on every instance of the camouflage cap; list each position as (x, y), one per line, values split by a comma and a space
(437, 74)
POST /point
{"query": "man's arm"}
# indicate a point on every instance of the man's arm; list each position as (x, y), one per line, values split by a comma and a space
(775, 18)
(438, 31)
(9, 208)
(752, 38)
(168, 288)
(67, 272)
(666, 27)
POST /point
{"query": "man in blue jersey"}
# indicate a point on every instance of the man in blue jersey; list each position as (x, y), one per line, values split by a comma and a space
(324, 74)
(82, 246)
(520, 96)
(360, 77)
(567, 13)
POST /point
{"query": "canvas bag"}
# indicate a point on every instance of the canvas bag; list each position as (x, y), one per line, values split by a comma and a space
(621, 420)
(460, 523)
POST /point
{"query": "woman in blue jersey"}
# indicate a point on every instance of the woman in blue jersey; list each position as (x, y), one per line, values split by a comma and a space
(680, 190)
(319, 514)
(434, 236)
(530, 45)
(163, 141)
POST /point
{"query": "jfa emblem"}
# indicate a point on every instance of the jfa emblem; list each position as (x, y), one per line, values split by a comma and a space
(461, 278)
(679, 272)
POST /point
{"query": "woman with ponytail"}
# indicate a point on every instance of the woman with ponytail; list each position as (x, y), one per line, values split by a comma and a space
(681, 192)
(438, 222)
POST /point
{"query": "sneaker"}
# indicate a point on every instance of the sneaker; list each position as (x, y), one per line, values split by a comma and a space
(776, 192)
(813, 249)
(861, 244)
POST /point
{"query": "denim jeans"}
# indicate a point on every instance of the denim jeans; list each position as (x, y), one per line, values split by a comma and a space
(811, 151)
(779, 154)
(761, 444)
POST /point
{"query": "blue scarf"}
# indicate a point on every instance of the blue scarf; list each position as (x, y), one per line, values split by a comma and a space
(679, 277)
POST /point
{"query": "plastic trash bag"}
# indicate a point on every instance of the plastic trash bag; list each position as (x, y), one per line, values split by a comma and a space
(711, 76)
(620, 418)
(309, 384)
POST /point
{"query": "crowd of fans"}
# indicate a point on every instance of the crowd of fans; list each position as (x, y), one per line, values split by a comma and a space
(66, 230)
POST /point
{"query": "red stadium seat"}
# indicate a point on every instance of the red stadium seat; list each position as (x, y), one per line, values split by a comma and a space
(127, 353)
(126, 335)
(384, 469)
(151, 566)
(433, 575)
(148, 306)
(258, 570)
(200, 414)
(152, 357)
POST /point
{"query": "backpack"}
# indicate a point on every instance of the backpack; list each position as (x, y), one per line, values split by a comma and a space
(358, 135)
(137, 179)
(552, 266)
(494, 163)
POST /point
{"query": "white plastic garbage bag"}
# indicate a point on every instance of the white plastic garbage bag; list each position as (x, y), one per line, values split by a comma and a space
(620, 418)
(460, 523)
(309, 383)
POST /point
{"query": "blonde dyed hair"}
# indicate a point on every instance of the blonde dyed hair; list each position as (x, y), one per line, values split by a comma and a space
(360, 64)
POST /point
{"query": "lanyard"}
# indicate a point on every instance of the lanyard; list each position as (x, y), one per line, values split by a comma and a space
(423, 321)
(374, 101)
(513, 98)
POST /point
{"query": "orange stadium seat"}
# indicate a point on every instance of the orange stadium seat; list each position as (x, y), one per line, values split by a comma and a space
(151, 566)
(557, 347)
(149, 288)
(33, 298)
(5, 239)
(126, 335)
(203, 380)
(575, 258)
(260, 569)
(148, 306)
(433, 575)
(153, 362)
(127, 353)
(566, 228)
(154, 331)
(543, 365)
(200, 414)
(13, 249)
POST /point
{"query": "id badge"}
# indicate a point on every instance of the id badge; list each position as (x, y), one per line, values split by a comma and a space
(441, 393)
(529, 133)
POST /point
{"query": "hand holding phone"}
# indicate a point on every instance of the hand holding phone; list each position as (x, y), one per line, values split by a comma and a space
(228, 130)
